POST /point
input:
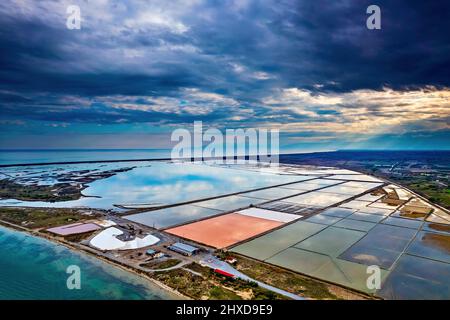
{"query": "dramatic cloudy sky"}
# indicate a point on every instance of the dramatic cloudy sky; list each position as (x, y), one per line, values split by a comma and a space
(139, 69)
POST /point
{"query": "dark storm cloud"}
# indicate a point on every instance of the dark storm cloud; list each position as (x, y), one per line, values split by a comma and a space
(101, 114)
(240, 50)
(302, 42)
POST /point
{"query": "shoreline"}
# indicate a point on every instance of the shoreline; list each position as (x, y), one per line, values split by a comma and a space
(83, 251)
(160, 280)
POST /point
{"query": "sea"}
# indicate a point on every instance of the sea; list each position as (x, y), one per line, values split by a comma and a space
(33, 268)
(74, 155)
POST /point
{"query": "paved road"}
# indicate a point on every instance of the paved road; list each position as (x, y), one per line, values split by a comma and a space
(215, 263)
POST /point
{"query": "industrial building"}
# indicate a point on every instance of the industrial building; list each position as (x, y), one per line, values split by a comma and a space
(183, 248)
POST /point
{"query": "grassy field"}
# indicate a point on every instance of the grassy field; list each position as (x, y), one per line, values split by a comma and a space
(211, 286)
(436, 195)
(193, 286)
(205, 271)
(218, 293)
(41, 218)
(168, 263)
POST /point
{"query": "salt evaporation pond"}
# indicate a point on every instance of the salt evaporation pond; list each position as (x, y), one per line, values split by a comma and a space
(163, 183)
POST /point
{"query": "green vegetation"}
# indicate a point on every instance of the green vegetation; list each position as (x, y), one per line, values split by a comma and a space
(41, 218)
(70, 189)
(205, 271)
(211, 285)
(219, 293)
(432, 192)
(191, 285)
(168, 263)
(59, 192)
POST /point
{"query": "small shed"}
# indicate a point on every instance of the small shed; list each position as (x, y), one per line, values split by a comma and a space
(230, 260)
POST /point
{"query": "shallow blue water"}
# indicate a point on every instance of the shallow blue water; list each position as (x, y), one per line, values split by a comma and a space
(34, 268)
(46, 156)
(163, 183)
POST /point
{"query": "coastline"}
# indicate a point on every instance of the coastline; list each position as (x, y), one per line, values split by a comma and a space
(34, 221)
(84, 251)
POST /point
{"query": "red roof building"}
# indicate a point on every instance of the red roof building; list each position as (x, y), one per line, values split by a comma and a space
(224, 273)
